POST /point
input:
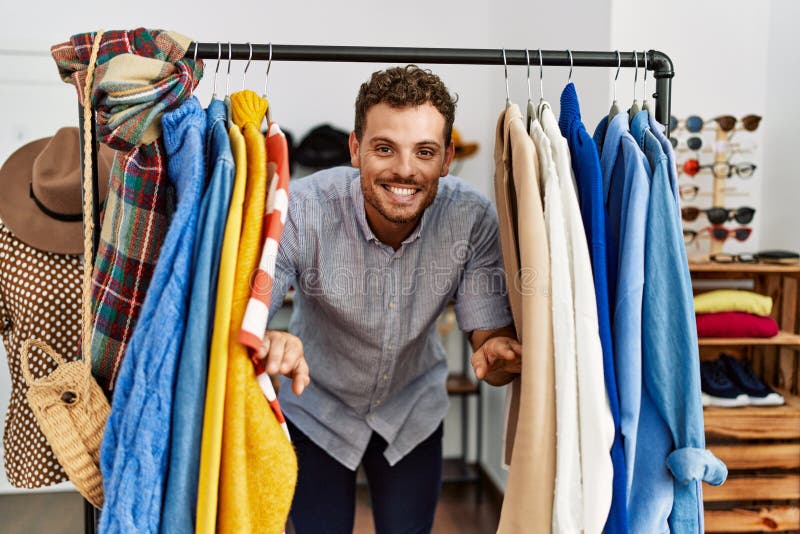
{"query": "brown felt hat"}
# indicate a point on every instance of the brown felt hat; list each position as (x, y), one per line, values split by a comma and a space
(41, 192)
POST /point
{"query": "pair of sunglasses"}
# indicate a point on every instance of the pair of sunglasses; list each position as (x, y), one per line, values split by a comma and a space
(717, 215)
(720, 233)
(688, 191)
(692, 166)
(692, 143)
(724, 257)
(726, 123)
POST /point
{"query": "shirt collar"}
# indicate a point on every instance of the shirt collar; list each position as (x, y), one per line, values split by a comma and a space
(361, 215)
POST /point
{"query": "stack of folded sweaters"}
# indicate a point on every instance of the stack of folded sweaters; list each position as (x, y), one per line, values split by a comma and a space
(734, 313)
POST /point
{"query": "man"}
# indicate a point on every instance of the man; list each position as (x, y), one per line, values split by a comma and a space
(376, 252)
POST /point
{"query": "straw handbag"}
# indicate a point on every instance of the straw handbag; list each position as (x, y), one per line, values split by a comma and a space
(68, 403)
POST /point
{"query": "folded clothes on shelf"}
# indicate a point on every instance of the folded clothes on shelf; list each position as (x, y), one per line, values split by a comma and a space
(735, 324)
(730, 300)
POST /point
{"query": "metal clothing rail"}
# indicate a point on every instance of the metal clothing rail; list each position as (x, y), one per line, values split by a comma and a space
(657, 61)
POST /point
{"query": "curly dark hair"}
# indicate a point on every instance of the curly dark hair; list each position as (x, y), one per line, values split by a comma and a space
(402, 87)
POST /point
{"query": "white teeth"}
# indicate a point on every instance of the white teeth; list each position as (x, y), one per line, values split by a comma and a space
(402, 191)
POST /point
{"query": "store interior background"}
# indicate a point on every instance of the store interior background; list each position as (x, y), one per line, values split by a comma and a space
(734, 57)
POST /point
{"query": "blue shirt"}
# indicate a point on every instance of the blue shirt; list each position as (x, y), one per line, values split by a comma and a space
(180, 500)
(135, 448)
(671, 369)
(367, 314)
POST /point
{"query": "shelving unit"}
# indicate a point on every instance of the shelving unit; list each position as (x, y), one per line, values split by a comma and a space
(760, 445)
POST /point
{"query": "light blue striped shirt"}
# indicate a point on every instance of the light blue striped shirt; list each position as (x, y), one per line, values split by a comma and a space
(367, 314)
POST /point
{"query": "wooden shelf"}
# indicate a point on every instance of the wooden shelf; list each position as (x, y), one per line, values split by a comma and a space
(754, 488)
(762, 456)
(755, 422)
(461, 384)
(783, 338)
(771, 519)
(755, 268)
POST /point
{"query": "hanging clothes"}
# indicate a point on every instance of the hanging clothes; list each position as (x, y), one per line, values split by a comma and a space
(136, 212)
(671, 366)
(134, 451)
(568, 496)
(180, 501)
(528, 503)
(211, 447)
(596, 424)
(259, 466)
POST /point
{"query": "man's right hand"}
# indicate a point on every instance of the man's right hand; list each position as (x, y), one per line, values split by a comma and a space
(284, 355)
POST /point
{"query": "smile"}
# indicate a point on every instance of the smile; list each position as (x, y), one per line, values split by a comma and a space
(400, 191)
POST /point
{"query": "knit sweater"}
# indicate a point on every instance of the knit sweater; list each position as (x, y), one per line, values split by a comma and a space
(134, 451)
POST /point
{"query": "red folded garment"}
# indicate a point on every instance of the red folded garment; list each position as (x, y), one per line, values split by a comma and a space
(735, 324)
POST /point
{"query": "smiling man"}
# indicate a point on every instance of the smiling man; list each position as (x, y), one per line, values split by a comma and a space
(375, 253)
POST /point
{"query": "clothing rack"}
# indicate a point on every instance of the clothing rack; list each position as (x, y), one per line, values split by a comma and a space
(656, 61)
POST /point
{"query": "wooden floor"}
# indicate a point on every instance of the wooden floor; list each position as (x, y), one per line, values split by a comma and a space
(62, 513)
(459, 511)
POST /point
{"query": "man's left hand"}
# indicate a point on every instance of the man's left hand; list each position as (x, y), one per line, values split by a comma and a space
(498, 360)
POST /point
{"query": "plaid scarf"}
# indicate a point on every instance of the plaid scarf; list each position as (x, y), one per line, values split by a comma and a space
(140, 74)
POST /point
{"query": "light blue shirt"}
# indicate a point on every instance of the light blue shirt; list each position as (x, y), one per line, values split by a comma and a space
(180, 500)
(671, 366)
(367, 314)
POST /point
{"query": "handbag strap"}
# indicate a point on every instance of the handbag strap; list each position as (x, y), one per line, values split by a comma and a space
(24, 359)
(88, 216)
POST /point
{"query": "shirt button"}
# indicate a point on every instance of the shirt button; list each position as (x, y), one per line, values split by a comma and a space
(377, 403)
(390, 346)
(386, 377)
(392, 305)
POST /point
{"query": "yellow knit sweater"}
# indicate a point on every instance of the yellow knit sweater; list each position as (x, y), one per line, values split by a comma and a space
(259, 466)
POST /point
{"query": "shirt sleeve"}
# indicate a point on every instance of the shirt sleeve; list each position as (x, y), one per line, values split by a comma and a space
(482, 296)
(286, 270)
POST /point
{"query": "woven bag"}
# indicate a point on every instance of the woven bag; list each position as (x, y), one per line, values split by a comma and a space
(69, 405)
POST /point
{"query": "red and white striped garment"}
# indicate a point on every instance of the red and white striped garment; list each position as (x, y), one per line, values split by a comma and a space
(256, 315)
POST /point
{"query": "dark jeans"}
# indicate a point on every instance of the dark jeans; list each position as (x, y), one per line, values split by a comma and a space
(403, 496)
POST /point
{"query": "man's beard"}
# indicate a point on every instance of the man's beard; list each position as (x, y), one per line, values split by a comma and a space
(397, 217)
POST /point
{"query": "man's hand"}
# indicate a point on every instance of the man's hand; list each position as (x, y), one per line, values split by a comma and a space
(498, 360)
(284, 355)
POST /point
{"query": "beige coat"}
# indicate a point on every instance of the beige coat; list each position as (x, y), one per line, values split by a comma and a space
(530, 437)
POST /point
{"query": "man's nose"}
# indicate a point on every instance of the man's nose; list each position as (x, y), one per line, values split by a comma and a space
(404, 166)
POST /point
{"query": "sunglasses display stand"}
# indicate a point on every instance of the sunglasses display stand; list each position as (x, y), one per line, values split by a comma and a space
(718, 195)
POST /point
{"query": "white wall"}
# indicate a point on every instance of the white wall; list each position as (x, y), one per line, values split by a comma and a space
(781, 194)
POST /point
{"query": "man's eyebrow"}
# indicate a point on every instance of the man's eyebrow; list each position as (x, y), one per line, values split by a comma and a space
(430, 142)
(379, 139)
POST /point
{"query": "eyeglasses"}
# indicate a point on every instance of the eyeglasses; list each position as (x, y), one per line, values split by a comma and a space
(692, 166)
(726, 123)
(688, 192)
(720, 233)
(717, 215)
(724, 257)
(692, 143)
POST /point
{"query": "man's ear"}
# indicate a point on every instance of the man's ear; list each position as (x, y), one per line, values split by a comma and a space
(449, 154)
(354, 144)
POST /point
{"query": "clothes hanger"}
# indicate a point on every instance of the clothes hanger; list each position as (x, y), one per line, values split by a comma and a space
(645, 103)
(266, 81)
(191, 82)
(614, 107)
(247, 66)
(530, 112)
(542, 102)
(216, 70)
(505, 68)
(228, 89)
(635, 106)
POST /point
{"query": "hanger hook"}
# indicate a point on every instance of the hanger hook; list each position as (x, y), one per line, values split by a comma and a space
(541, 75)
(228, 75)
(635, 72)
(249, 58)
(569, 79)
(269, 65)
(644, 97)
(619, 65)
(528, 59)
(219, 57)
(505, 68)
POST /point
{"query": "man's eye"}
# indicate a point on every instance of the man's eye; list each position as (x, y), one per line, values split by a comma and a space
(384, 149)
(426, 153)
